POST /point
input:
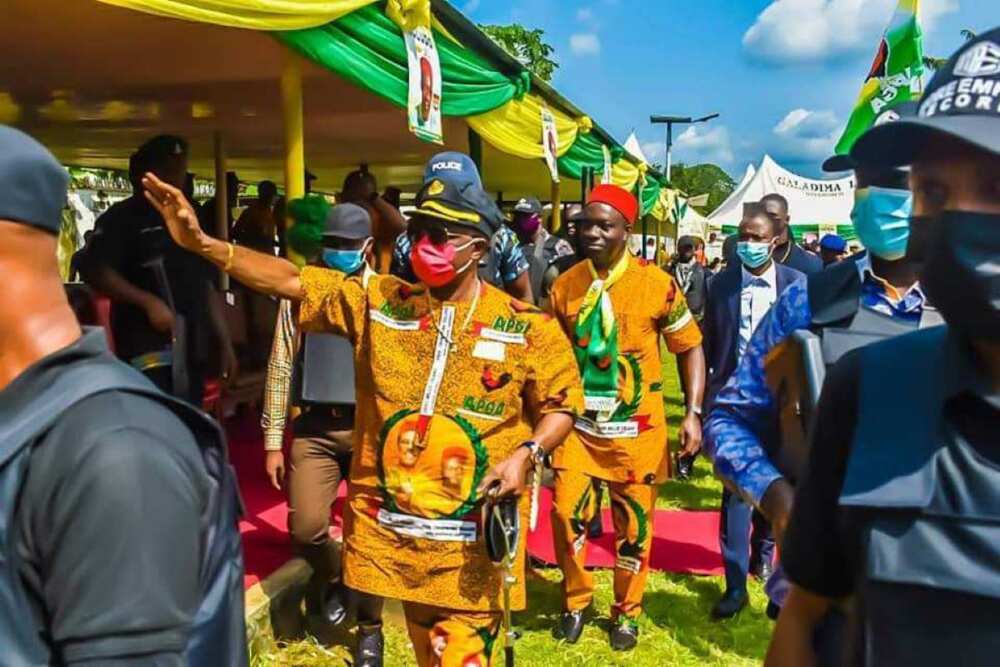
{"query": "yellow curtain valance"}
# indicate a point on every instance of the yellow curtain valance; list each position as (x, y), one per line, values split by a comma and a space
(516, 127)
(251, 14)
(624, 174)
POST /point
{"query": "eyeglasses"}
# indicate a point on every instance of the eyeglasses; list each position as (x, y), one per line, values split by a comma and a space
(438, 234)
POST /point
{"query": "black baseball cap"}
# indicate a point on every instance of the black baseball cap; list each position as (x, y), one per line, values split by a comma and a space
(962, 102)
(846, 162)
(454, 205)
(528, 205)
(348, 221)
(32, 183)
(159, 148)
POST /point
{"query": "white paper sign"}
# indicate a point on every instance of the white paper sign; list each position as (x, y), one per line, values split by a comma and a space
(550, 143)
(424, 99)
(606, 176)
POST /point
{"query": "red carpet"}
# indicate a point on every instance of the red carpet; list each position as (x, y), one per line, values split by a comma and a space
(684, 542)
(264, 528)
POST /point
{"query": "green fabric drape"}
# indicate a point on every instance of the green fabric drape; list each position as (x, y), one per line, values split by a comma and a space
(586, 152)
(650, 194)
(366, 47)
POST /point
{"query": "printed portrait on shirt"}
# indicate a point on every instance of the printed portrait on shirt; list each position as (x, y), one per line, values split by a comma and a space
(430, 468)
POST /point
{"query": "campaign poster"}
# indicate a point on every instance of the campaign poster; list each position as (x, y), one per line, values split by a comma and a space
(550, 143)
(424, 99)
(606, 175)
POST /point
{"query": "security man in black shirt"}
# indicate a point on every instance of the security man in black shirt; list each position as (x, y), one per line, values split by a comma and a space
(166, 321)
(897, 519)
(118, 512)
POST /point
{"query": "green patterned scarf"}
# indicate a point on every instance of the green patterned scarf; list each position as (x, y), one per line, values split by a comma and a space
(596, 340)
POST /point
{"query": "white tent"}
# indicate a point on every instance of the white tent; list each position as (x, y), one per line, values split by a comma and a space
(816, 207)
(737, 192)
(689, 221)
(632, 146)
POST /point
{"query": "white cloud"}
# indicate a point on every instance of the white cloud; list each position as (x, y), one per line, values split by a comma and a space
(584, 15)
(585, 44)
(802, 31)
(704, 143)
(806, 135)
(470, 7)
(653, 150)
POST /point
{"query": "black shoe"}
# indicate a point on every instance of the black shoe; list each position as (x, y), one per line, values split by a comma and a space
(624, 634)
(763, 570)
(730, 604)
(371, 645)
(571, 625)
(772, 610)
(685, 466)
(595, 528)
(326, 601)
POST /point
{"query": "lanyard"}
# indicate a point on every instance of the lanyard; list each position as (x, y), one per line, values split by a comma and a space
(442, 347)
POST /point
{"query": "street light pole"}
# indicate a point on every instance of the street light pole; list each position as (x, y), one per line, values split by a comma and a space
(669, 121)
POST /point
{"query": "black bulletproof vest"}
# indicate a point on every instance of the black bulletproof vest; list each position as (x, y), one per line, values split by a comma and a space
(218, 634)
(929, 510)
(796, 368)
(324, 371)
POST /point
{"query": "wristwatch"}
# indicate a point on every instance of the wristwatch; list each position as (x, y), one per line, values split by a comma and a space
(695, 409)
(538, 454)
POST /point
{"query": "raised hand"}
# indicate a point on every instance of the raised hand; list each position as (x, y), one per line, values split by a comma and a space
(177, 213)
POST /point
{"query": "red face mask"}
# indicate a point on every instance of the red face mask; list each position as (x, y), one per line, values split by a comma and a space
(433, 263)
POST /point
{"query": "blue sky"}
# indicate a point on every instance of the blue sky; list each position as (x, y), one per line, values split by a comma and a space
(783, 74)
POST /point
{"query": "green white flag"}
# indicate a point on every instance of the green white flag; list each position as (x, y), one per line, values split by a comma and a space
(894, 76)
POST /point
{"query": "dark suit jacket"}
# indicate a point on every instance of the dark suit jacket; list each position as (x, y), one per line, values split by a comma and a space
(721, 326)
(801, 260)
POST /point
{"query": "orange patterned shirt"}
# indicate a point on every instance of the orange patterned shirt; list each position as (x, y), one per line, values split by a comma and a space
(412, 523)
(630, 443)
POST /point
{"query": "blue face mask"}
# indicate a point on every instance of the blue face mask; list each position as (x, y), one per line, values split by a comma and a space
(881, 219)
(346, 261)
(753, 254)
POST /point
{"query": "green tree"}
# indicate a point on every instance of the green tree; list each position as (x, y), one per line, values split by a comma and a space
(700, 179)
(527, 46)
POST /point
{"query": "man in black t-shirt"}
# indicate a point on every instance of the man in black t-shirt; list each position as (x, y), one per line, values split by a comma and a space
(896, 519)
(166, 320)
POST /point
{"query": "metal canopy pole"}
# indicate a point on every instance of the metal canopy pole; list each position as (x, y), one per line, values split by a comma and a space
(556, 220)
(221, 199)
(291, 107)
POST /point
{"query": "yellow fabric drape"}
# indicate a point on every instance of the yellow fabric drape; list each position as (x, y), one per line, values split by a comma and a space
(664, 205)
(624, 174)
(251, 14)
(409, 14)
(516, 127)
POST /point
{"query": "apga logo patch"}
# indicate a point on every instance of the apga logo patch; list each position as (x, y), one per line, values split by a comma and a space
(981, 60)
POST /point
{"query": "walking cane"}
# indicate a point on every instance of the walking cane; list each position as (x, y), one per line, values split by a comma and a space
(503, 528)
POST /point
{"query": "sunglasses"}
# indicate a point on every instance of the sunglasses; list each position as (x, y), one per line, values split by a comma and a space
(437, 233)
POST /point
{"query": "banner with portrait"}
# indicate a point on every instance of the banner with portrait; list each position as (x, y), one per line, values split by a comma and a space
(550, 143)
(424, 98)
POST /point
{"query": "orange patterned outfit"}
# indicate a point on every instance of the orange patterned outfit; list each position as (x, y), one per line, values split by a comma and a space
(412, 523)
(622, 438)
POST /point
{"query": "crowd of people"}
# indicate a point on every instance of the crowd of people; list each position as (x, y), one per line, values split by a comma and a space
(441, 361)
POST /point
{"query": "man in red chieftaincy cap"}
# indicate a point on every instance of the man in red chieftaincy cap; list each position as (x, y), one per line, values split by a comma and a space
(614, 307)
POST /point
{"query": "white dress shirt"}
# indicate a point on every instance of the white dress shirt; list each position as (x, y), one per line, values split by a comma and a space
(756, 297)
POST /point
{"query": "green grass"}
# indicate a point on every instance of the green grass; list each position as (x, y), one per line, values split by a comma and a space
(674, 630)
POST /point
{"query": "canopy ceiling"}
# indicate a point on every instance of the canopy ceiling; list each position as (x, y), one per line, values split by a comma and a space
(92, 82)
